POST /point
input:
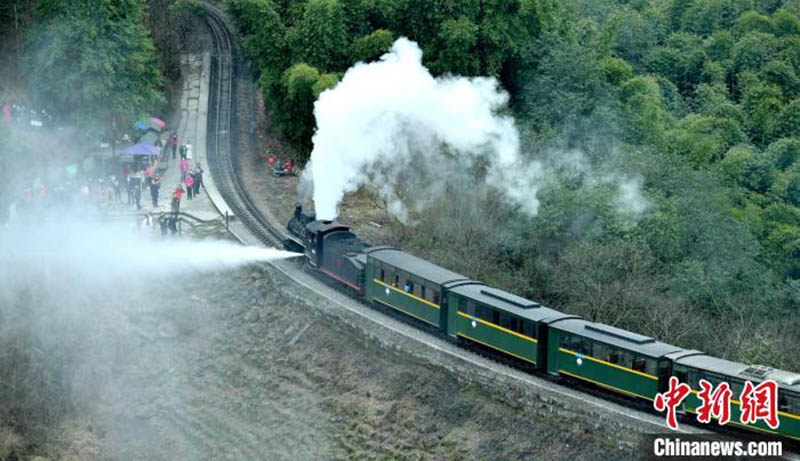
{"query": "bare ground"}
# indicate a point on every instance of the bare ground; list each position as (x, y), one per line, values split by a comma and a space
(227, 368)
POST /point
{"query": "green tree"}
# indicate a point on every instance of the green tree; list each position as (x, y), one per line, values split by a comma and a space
(324, 82)
(264, 36)
(752, 21)
(788, 120)
(735, 162)
(762, 103)
(372, 46)
(784, 152)
(704, 17)
(754, 50)
(320, 37)
(680, 59)
(642, 107)
(786, 23)
(781, 74)
(704, 140)
(299, 85)
(616, 70)
(457, 51)
(634, 35)
(93, 61)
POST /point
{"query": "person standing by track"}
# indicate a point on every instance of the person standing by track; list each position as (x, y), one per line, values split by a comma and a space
(173, 144)
(198, 179)
(176, 199)
(155, 185)
(183, 167)
(189, 181)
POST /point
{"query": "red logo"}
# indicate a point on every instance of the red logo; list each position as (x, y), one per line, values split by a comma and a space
(716, 404)
(760, 402)
(670, 399)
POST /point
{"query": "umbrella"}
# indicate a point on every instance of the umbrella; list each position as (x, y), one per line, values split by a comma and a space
(157, 123)
(140, 149)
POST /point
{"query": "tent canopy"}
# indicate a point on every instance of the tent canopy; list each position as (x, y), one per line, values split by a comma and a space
(140, 149)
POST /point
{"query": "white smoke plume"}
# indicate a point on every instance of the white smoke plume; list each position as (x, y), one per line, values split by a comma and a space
(94, 253)
(391, 122)
(391, 125)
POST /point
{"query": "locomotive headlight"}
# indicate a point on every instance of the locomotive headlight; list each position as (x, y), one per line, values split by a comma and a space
(579, 361)
(474, 324)
(387, 292)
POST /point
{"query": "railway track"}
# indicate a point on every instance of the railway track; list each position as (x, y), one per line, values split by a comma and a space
(224, 167)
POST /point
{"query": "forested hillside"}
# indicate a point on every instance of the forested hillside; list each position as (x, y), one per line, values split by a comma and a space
(700, 100)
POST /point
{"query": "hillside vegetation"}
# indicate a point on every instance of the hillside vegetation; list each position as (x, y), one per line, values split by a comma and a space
(698, 100)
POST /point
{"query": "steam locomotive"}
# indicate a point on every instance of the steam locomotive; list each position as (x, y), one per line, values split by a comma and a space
(546, 340)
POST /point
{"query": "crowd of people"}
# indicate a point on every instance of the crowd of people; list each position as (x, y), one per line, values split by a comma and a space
(19, 114)
(119, 191)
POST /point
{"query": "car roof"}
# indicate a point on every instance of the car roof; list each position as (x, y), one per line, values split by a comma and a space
(616, 337)
(508, 302)
(414, 265)
(752, 373)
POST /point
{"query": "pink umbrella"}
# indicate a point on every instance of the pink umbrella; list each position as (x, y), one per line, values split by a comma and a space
(157, 123)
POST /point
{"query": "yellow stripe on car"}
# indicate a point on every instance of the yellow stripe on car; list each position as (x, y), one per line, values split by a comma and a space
(404, 293)
(489, 324)
(609, 364)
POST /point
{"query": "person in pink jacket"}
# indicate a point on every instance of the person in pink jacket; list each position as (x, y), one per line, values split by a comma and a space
(189, 181)
(184, 167)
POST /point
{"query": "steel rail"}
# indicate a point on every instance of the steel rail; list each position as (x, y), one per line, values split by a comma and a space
(223, 165)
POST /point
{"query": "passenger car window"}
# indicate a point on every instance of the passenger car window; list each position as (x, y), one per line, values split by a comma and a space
(506, 321)
(586, 347)
(651, 366)
(789, 403)
(602, 351)
(530, 329)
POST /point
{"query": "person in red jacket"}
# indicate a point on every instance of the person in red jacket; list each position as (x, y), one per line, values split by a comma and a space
(189, 181)
(176, 199)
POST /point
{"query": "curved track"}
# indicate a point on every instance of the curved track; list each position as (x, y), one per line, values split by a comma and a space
(224, 167)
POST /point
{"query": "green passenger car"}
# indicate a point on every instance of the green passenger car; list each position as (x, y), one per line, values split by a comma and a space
(612, 358)
(692, 366)
(408, 284)
(499, 320)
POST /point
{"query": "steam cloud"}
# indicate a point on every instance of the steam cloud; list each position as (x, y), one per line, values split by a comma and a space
(96, 253)
(392, 124)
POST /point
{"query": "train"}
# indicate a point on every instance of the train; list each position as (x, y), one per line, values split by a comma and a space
(544, 339)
